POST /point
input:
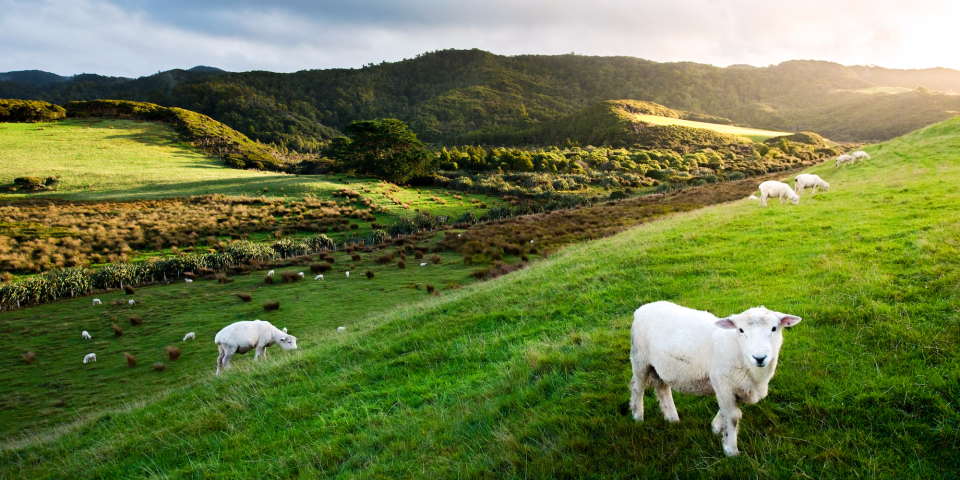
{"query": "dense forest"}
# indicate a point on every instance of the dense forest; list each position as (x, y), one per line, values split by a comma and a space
(464, 96)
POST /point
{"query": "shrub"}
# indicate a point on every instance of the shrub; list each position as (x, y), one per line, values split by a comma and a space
(370, 274)
(190, 275)
(618, 195)
(355, 257)
(435, 259)
(131, 360)
(271, 306)
(315, 268)
(222, 278)
(173, 353)
(384, 259)
(245, 297)
(136, 321)
(129, 290)
(159, 367)
(288, 277)
(209, 276)
(117, 331)
(325, 267)
(736, 176)
(430, 288)
(29, 357)
(418, 255)
(268, 279)
(401, 264)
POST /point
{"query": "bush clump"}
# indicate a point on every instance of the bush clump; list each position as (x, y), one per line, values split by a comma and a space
(271, 306)
(245, 297)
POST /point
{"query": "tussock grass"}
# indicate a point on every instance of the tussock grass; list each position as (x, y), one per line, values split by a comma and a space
(136, 321)
(129, 290)
(159, 367)
(131, 360)
(173, 353)
(271, 306)
(29, 357)
(246, 297)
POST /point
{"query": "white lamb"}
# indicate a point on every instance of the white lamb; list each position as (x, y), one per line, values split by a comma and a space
(270, 273)
(340, 329)
(90, 357)
(132, 302)
(187, 280)
(190, 336)
(348, 274)
(318, 277)
(753, 197)
(96, 301)
(844, 159)
(423, 264)
(860, 154)
(694, 352)
(85, 334)
(805, 180)
(241, 337)
(773, 188)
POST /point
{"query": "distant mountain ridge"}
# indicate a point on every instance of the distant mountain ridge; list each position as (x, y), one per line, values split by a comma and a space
(452, 96)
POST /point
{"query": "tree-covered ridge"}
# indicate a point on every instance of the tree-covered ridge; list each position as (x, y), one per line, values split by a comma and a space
(450, 96)
(199, 130)
(29, 111)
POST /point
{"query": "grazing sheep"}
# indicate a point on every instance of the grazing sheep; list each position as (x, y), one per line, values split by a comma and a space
(132, 302)
(340, 329)
(844, 159)
(348, 274)
(85, 334)
(96, 301)
(860, 154)
(423, 264)
(805, 180)
(90, 357)
(187, 280)
(774, 188)
(270, 273)
(190, 336)
(753, 197)
(694, 352)
(241, 337)
(318, 277)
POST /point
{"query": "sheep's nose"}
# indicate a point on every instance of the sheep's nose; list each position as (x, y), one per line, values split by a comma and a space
(760, 360)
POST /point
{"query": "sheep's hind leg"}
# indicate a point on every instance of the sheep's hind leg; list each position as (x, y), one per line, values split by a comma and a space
(665, 396)
(220, 359)
(637, 386)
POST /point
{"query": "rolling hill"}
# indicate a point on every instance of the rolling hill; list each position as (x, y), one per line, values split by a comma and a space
(526, 375)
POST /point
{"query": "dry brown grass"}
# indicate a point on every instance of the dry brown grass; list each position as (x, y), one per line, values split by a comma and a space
(131, 360)
(245, 297)
(271, 306)
(117, 331)
(136, 321)
(173, 353)
(29, 357)
(159, 367)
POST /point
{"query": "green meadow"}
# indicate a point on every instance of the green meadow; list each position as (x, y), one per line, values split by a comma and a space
(526, 375)
(755, 134)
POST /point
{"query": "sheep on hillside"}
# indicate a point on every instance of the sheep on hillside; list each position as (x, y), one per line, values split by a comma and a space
(85, 334)
(96, 301)
(844, 159)
(270, 273)
(775, 189)
(753, 197)
(241, 337)
(340, 329)
(348, 274)
(132, 302)
(318, 277)
(860, 154)
(694, 352)
(187, 280)
(189, 336)
(805, 180)
(90, 357)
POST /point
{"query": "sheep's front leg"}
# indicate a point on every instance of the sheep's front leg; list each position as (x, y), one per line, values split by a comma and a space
(730, 422)
(258, 352)
(666, 402)
(763, 200)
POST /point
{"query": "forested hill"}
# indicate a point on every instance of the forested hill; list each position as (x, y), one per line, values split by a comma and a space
(446, 95)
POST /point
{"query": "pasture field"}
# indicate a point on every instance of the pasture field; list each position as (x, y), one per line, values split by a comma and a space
(526, 375)
(755, 134)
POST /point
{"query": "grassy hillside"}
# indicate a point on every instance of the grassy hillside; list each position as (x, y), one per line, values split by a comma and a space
(526, 375)
(449, 95)
(755, 134)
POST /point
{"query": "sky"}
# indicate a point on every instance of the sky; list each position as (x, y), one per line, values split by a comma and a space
(135, 38)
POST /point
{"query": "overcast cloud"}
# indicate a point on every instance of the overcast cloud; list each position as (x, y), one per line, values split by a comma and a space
(139, 37)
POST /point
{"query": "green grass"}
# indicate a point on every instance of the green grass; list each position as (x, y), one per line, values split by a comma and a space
(526, 375)
(755, 134)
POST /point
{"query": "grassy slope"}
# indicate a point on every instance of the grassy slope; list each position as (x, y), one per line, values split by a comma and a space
(526, 375)
(755, 134)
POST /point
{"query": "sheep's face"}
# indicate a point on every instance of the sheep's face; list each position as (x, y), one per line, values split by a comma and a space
(825, 186)
(288, 342)
(759, 333)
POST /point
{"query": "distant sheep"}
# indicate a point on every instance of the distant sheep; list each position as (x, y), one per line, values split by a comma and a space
(96, 301)
(190, 336)
(805, 180)
(844, 159)
(753, 197)
(694, 352)
(777, 189)
(132, 302)
(241, 337)
(860, 154)
(90, 357)
(340, 329)
(187, 280)
(270, 273)
(348, 274)
(318, 277)
(423, 264)
(85, 334)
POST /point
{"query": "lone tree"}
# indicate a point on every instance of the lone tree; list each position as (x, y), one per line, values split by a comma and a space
(383, 148)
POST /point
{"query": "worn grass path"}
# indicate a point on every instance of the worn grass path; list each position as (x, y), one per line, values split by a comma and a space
(526, 375)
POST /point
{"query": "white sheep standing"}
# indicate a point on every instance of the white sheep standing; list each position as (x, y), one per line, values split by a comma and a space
(860, 154)
(844, 159)
(805, 180)
(773, 188)
(241, 337)
(132, 302)
(96, 301)
(270, 273)
(348, 274)
(318, 277)
(189, 336)
(85, 334)
(340, 329)
(187, 280)
(694, 352)
(90, 357)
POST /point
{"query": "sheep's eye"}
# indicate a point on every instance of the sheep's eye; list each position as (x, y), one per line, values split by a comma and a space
(741, 330)
(774, 329)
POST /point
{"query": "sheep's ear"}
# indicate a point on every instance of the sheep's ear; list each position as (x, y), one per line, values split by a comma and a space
(787, 320)
(725, 323)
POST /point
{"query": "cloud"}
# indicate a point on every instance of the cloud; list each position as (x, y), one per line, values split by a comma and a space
(138, 38)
